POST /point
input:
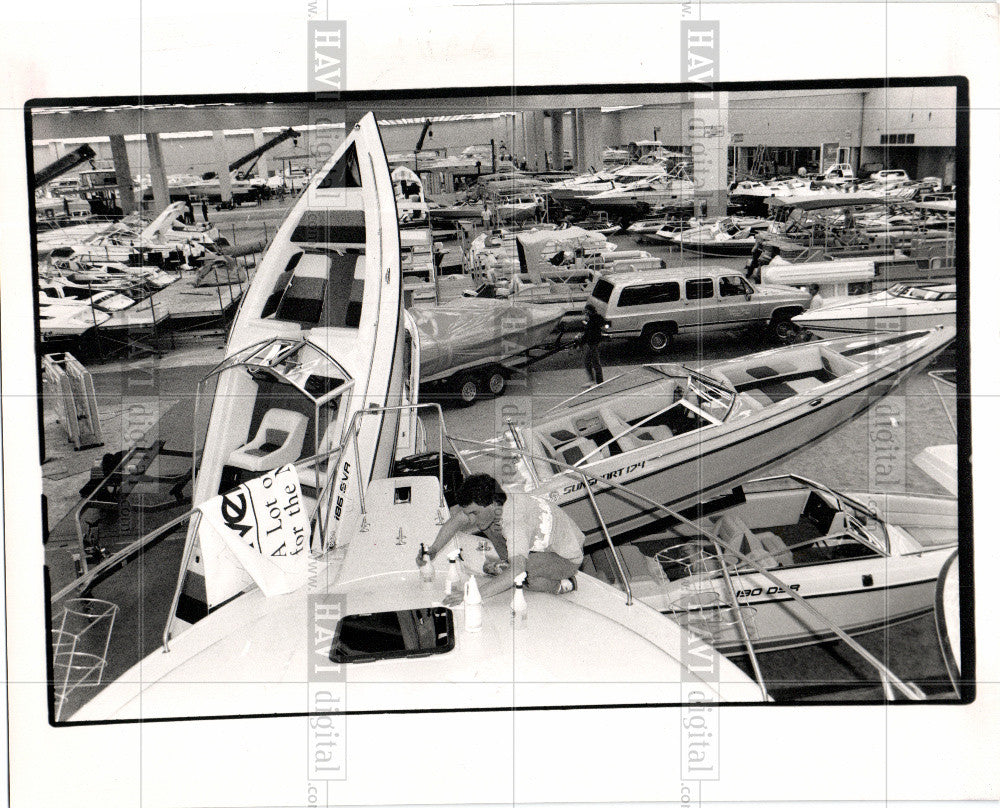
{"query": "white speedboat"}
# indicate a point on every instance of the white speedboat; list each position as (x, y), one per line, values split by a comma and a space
(903, 307)
(729, 235)
(864, 561)
(318, 337)
(638, 198)
(670, 433)
(585, 186)
(60, 318)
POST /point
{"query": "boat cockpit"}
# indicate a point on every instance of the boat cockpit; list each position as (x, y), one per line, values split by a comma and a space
(635, 410)
(290, 394)
(778, 523)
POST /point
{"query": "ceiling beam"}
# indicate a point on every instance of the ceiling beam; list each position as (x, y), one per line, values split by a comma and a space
(94, 120)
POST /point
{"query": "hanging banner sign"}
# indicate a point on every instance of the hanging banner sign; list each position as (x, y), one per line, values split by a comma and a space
(258, 531)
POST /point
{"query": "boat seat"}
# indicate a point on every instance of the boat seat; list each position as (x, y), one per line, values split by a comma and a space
(652, 434)
(838, 525)
(575, 451)
(773, 545)
(805, 384)
(278, 442)
(638, 565)
(734, 533)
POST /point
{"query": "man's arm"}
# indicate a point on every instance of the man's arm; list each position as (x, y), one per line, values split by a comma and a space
(491, 585)
(457, 523)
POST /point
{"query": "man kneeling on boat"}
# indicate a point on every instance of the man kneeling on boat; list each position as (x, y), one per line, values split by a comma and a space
(528, 533)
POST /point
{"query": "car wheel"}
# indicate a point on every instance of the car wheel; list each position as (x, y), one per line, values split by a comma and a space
(496, 381)
(658, 340)
(785, 331)
(468, 387)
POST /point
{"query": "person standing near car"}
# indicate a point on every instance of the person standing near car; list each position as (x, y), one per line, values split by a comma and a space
(593, 331)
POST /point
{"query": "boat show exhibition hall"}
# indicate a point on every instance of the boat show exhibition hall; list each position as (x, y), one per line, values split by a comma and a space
(542, 391)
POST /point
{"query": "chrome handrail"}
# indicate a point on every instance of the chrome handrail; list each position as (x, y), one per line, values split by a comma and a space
(125, 552)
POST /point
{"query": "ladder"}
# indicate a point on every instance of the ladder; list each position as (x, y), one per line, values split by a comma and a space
(72, 387)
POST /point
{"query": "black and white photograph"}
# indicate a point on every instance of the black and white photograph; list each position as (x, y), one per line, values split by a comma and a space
(390, 431)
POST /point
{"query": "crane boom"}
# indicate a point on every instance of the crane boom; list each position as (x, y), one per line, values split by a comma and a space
(65, 163)
(256, 153)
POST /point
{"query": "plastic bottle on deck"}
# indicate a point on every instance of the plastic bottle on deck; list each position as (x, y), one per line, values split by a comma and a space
(519, 606)
(427, 568)
(452, 582)
(473, 605)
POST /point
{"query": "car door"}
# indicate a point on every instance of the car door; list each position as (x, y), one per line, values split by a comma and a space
(737, 305)
(701, 304)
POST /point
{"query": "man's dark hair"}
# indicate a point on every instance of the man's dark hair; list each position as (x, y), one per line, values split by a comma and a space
(481, 489)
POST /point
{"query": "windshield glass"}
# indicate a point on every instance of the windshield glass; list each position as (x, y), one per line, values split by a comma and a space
(922, 293)
(712, 398)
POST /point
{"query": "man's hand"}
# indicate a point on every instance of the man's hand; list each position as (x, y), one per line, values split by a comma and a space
(454, 598)
(494, 566)
(420, 559)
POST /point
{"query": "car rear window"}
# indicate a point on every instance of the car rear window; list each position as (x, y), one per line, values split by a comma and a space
(698, 289)
(649, 293)
(602, 290)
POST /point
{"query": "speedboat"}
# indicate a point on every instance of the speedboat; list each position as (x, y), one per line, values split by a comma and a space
(636, 199)
(670, 433)
(60, 318)
(730, 235)
(481, 338)
(864, 561)
(318, 337)
(903, 307)
(843, 277)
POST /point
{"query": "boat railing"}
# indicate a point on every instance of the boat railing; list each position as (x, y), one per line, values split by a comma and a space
(326, 499)
(888, 678)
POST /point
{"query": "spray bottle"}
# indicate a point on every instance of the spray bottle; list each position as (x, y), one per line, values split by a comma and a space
(453, 581)
(518, 606)
(473, 605)
(427, 568)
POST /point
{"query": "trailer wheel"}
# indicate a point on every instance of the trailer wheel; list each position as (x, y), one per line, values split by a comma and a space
(469, 388)
(496, 381)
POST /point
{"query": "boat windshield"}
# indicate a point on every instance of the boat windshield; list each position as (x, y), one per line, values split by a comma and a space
(299, 363)
(902, 290)
(711, 395)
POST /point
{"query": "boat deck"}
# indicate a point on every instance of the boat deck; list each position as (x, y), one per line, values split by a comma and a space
(181, 301)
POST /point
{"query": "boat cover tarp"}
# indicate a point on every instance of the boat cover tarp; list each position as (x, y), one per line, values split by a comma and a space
(536, 248)
(478, 331)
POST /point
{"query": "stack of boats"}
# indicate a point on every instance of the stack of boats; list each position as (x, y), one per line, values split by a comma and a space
(91, 274)
(685, 559)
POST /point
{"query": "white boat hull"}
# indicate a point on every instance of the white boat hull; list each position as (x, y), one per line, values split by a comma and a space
(685, 467)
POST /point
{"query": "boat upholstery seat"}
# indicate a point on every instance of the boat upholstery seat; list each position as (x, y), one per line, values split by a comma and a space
(278, 442)
(574, 451)
(773, 545)
(838, 525)
(641, 436)
(734, 533)
(652, 434)
(638, 565)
